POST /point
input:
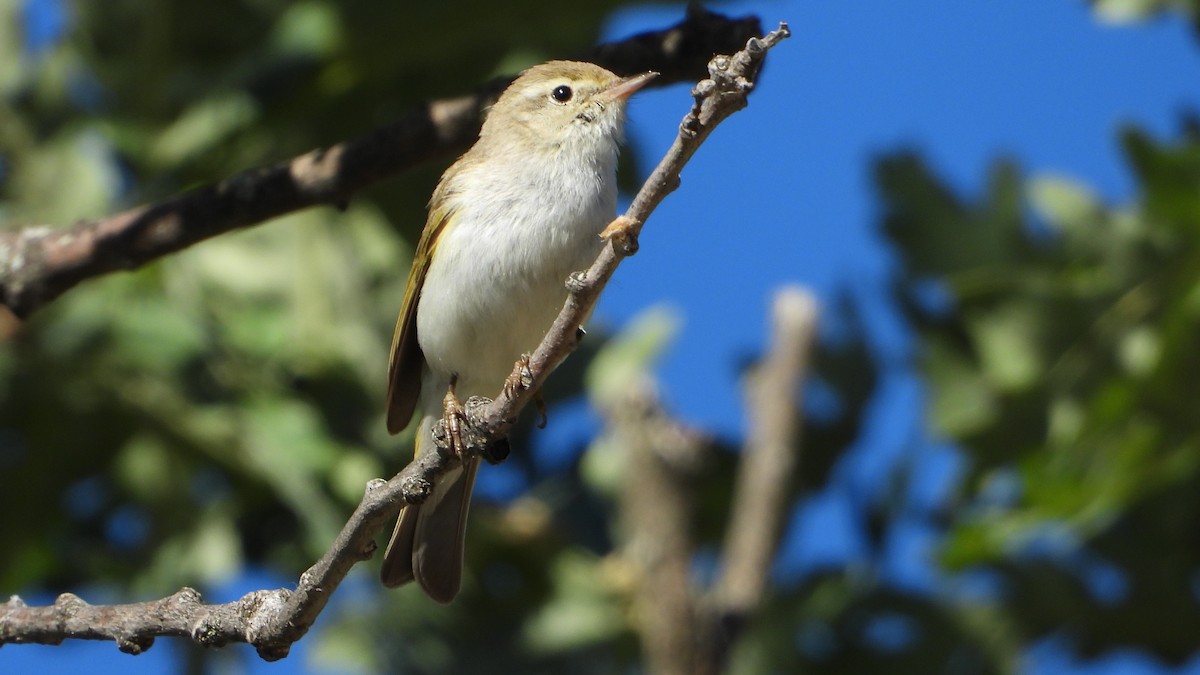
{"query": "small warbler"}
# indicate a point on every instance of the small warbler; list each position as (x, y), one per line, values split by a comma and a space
(507, 224)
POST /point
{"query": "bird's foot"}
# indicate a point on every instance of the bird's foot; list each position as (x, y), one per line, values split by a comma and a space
(520, 379)
(453, 415)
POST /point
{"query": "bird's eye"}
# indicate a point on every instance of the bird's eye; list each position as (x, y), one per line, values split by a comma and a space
(562, 93)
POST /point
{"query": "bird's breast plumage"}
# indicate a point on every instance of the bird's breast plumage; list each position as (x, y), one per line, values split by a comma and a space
(497, 278)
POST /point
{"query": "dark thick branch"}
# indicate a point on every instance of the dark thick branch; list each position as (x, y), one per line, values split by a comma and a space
(273, 620)
(37, 264)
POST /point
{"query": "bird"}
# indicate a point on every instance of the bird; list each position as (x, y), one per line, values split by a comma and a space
(508, 222)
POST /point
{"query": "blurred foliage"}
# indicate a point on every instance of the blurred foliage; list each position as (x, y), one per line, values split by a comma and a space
(1067, 368)
(224, 408)
(1058, 336)
(1122, 11)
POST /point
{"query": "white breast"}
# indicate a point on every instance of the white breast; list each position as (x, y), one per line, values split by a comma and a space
(497, 279)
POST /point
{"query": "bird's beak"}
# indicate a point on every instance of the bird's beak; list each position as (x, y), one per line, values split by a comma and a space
(626, 86)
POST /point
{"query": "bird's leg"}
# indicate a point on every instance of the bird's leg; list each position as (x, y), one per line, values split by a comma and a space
(520, 378)
(452, 416)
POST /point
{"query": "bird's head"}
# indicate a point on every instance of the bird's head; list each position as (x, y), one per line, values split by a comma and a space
(562, 104)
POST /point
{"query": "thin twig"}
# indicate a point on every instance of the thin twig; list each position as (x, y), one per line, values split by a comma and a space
(40, 263)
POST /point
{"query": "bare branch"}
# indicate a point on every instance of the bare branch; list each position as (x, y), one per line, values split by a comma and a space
(270, 620)
(682, 631)
(772, 450)
(655, 506)
(37, 264)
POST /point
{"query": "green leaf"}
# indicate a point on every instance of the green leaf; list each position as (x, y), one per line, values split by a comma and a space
(78, 162)
(1007, 339)
(1064, 202)
(1124, 11)
(581, 612)
(631, 353)
(308, 27)
(143, 467)
(204, 125)
(963, 403)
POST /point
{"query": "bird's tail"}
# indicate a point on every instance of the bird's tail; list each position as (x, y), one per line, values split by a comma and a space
(427, 544)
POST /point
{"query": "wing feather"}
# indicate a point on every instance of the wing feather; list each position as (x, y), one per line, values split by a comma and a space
(407, 361)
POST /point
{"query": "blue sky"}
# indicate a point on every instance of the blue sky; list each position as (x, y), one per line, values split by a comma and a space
(782, 194)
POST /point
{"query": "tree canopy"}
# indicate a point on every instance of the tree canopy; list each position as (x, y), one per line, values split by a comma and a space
(222, 408)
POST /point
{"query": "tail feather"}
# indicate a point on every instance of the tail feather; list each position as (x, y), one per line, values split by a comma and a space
(397, 567)
(427, 544)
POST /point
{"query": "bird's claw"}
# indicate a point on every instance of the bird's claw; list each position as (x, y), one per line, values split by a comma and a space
(520, 379)
(453, 415)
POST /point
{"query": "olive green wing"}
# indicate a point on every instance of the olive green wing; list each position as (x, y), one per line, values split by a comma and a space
(407, 361)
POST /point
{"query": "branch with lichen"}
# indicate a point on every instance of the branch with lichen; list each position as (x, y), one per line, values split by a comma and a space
(40, 263)
(273, 620)
(270, 620)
